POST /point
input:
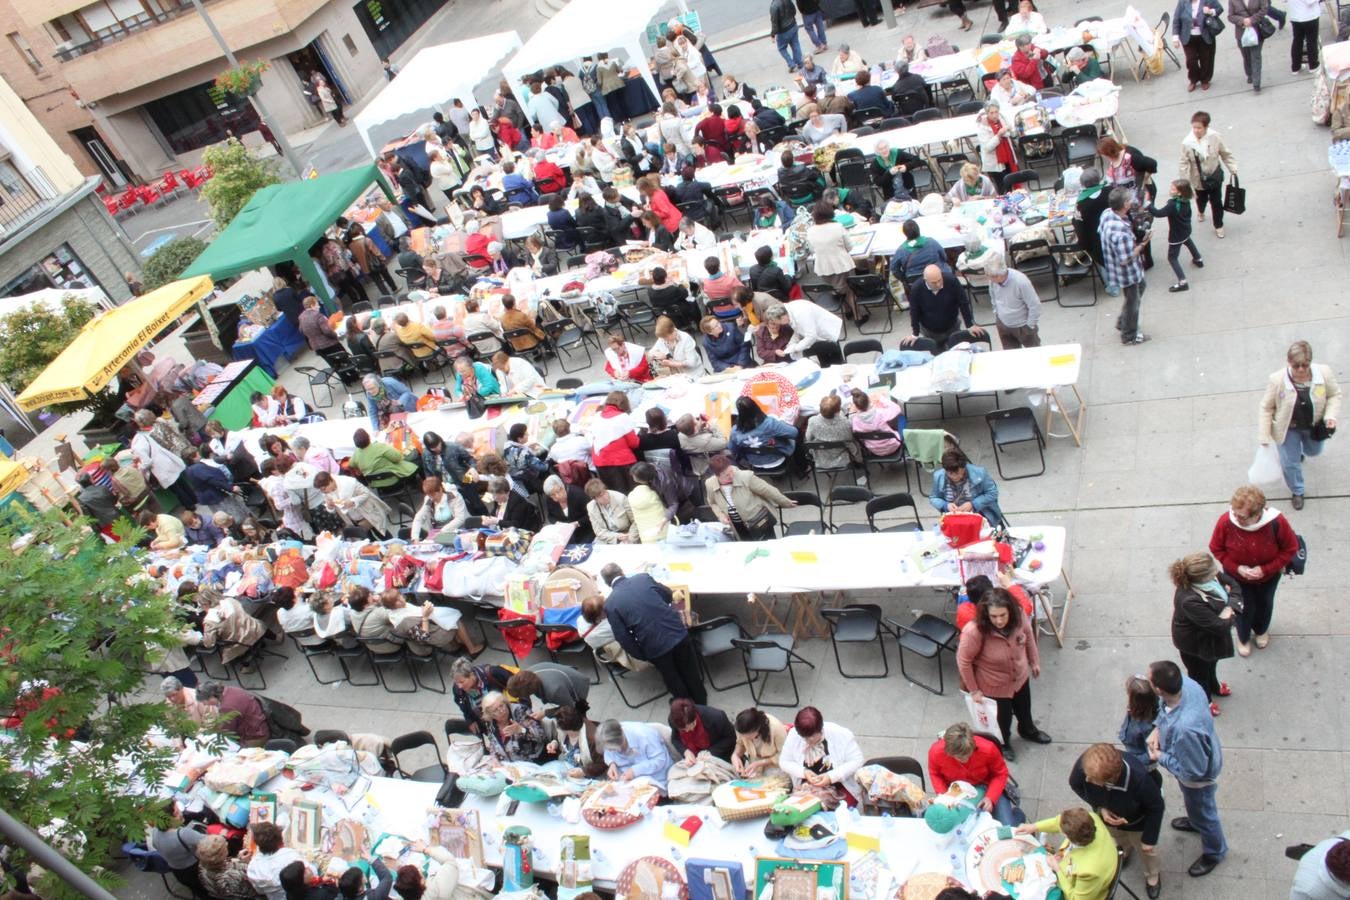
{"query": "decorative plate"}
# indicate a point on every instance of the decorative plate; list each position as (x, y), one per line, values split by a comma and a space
(775, 395)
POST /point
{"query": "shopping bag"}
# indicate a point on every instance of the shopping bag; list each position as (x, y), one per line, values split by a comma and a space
(1265, 467)
(1235, 198)
(983, 715)
(1249, 37)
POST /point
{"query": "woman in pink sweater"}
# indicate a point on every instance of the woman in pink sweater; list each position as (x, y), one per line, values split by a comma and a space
(997, 657)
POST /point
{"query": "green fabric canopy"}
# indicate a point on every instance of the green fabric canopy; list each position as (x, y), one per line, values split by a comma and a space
(281, 222)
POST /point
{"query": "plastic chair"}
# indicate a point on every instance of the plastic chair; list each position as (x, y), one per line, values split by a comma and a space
(563, 684)
(715, 637)
(567, 336)
(868, 345)
(314, 650)
(767, 654)
(147, 860)
(285, 745)
(927, 636)
(1014, 426)
(857, 623)
(330, 736)
(889, 502)
(410, 741)
(843, 495)
(576, 647)
(804, 526)
(385, 659)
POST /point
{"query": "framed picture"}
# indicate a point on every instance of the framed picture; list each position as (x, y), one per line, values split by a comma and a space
(348, 840)
(305, 829)
(458, 831)
(800, 879)
(262, 808)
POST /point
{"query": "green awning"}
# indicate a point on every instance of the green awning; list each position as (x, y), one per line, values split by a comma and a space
(281, 222)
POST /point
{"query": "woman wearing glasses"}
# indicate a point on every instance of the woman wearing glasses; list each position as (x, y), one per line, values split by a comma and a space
(1299, 413)
(1253, 543)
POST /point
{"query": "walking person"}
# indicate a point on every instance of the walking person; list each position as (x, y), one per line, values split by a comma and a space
(1253, 543)
(1120, 257)
(1017, 306)
(1186, 744)
(1252, 14)
(1202, 620)
(649, 628)
(1177, 212)
(783, 27)
(1204, 157)
(813, 20)
(1299, 412)
(997, 657)
(1306, 17)
(1194, 26)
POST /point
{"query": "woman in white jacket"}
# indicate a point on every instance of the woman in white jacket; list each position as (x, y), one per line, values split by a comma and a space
(822, 757)
(994, 137)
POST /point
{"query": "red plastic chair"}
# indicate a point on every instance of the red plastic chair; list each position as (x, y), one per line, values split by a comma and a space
(129, 201)
(169, 184)
(110, 203)
(192, 179)
(148, 195)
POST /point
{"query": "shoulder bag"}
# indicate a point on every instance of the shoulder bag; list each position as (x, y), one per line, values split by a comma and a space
(1235, 198)
(1299, 563)
(1212, 25)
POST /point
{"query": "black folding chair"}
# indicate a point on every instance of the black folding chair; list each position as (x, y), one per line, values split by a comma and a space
(411, 741)
(767, 654)
(1014, 426)
(713, 638)
(927, 636)
(857, 623)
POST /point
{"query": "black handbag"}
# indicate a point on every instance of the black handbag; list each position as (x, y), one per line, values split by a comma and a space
(475, 406)
(1265, 28)
(1213, 25)
(1235, 198)
(1321, 431)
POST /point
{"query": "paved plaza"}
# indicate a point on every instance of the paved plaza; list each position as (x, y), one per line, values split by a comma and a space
(1169, 434)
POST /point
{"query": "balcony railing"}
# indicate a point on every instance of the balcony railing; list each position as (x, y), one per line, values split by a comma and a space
(25, 199)
(122, 29)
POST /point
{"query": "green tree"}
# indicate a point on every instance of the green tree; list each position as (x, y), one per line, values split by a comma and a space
(79, 615)
(33, 337)
(236, 175)
(169, 261)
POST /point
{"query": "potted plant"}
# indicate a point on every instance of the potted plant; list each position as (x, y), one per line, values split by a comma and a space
(243, 80)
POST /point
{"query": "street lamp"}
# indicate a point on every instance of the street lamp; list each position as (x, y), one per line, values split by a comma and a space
(277, 133)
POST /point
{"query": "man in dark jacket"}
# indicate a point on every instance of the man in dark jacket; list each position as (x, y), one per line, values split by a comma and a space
(648, 627)
(783, 27)
(870, 96)
(766, 117)
(691, 190)
(671, 300)
(1128, 799)
(1092, 200)
(766, 276)
(937, 308)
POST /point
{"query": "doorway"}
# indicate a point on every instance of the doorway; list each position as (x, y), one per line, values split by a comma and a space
(98, 151)
(311, 58)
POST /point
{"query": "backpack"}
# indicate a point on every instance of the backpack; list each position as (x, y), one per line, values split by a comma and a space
(590, 79)
(1299, 563)
(938, 46)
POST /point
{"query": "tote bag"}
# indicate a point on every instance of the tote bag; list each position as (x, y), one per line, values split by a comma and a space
(1235, 198)
(983, 715)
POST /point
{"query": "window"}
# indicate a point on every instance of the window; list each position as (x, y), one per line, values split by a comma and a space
(21, 44)
(62, 269)
(198, 116)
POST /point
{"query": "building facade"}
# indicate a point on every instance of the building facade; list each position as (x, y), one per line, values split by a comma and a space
(144, 70)
(54, 229)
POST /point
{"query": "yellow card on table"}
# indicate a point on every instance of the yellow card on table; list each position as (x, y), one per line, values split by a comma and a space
(804, 556)
(676, 834)
(1063, 359)
(858, 840)
(680, 567)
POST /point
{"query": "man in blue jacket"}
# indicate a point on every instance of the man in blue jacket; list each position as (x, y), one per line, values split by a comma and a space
(961, 487)
(869, 96)
(648, 627)
(516, 187)
(1186, 744)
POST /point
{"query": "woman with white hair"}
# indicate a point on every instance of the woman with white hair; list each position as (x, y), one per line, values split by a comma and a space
(993, 135)
(567, 503)
(317, 457)
(354, 502)
(445, 180)
(385, 398)
(633, 750)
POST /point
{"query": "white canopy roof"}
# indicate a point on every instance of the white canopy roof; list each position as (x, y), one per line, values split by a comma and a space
(587, 27)
(435, 76)
(52, 297)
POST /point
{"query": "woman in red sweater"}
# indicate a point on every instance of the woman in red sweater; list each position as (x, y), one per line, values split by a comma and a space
(1253, 543)
(960, 755)
(613, 440)
(649, 186)
(625, 361)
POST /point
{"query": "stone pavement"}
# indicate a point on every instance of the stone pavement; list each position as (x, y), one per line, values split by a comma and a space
(1169, 434)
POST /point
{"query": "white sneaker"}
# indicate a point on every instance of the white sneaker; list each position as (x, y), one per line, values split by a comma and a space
(1244, 649)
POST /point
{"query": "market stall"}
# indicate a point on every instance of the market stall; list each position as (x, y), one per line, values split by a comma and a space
(587, 27)
(108, 342)
(227, 395)
(435, 76)
(282, 222)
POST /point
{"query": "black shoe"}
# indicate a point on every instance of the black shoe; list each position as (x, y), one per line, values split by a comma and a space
(1298, 501)
(1198, 263)
(1009, 754)
(1203, 866)
(1036, 737)
(1154, 890)
(1137, 339)
(1182, 823)
(1178, 287)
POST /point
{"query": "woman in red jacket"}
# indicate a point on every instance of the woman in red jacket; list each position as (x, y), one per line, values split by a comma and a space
(960, 755)
(1253, 543)
(613, 440)
(997, 657)
(649, 186)
(625, 361)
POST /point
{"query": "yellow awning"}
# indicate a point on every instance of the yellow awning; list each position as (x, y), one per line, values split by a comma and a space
(108, 342)
(12, 475)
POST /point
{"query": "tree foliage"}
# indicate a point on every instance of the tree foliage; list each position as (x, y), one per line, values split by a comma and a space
(31, 338)
(169, 261)
(81, 616)
(236, 175)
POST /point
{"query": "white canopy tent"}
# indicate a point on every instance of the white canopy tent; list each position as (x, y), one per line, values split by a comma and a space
(52, 297)
(587, 27)
(435, 76)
